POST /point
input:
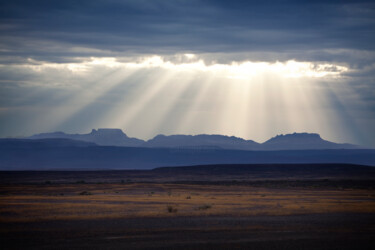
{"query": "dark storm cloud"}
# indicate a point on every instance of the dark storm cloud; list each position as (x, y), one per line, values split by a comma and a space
(54, 30)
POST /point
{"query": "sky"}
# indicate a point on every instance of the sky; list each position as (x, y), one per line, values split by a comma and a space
(252, 69)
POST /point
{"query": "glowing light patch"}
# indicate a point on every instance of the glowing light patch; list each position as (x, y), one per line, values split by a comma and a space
(234, 70)
(189, 56)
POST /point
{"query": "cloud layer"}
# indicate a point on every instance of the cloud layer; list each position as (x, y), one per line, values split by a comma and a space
(301, 30)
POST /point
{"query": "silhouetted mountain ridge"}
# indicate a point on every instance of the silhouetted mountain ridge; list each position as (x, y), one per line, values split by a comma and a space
(297, 141)
(202, 140)
(63, 154)
(116, 137)
(102, 136)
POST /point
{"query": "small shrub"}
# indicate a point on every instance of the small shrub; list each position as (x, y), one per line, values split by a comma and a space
(85, 193)
(171, 209)
(81, 182)
(48, 182)
(204, 207)
(188, 197)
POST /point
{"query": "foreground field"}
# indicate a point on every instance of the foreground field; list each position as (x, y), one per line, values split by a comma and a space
(70, 213)
(27, 203)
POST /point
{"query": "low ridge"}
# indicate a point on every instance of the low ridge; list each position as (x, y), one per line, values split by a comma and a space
(302, 140)
(116, 137)
(102, 136)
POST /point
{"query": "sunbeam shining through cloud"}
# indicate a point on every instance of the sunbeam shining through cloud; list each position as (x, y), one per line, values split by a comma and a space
(206, 67)
(236, 70)
(150, 95)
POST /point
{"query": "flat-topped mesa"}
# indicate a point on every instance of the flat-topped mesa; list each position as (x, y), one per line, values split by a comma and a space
(108, 132)
(202, 140)
(302, 137)
(297, 141)
(112, 137)
(101, 136)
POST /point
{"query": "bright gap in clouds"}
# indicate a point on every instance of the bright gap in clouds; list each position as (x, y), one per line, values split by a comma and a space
(151, 95)
(237, 70)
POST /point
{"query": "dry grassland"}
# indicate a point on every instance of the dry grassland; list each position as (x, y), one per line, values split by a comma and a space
(30, 203)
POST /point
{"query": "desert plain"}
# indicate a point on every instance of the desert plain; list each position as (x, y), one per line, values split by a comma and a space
(212, 207)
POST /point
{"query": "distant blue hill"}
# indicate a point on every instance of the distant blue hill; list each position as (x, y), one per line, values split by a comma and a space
(116, 137)
(102, 136)
(304, 141)
(201, 141)
(66, 154)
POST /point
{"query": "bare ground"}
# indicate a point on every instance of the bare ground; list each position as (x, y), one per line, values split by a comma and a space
(101, 211)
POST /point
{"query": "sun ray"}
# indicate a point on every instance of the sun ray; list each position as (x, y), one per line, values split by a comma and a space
(247, 99)
(125, 116)
(344, 123)
(196, 105)
(168, 103)
(83, 98)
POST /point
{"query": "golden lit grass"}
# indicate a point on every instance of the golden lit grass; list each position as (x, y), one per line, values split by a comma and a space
(64, 202)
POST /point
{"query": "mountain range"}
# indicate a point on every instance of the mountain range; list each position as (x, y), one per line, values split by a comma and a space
(112, 149)
(116, 137)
